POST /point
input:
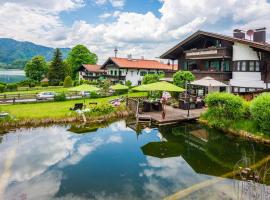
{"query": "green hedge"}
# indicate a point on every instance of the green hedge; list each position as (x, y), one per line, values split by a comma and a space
(260, 111)
(225, 106)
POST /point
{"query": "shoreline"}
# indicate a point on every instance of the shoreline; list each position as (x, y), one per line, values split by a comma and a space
(241, 133)
(33, 123)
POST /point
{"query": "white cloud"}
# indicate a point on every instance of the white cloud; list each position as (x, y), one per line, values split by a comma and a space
(49, 5)
(141, 34)
(114, 3)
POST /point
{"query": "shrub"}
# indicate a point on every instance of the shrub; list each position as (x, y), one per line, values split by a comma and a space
(246, 109)
(260, 111)
(60, 97)
(76, 83)
(12, 87)
(2, 88)
(94, 95)
(44, 84)
(61, 83)
(101, 109)
(128, 83)
(152, 78)
(181, 77)
(68, 82)
(225, 106)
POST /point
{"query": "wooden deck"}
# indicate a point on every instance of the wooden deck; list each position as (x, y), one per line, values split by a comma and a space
(173, 116)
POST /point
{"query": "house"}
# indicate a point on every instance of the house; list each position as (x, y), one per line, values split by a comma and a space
(242, 63)
(91, 72)
(123, 69)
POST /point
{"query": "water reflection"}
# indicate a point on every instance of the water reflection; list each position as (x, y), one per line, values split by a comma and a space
(115, 163)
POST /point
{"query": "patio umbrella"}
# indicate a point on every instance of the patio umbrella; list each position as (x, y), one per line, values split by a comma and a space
(208, 82)
(162, 149)
(84, 88)
(159, 86)
(119, 87)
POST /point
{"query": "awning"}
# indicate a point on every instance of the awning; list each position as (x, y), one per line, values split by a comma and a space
(208, 82)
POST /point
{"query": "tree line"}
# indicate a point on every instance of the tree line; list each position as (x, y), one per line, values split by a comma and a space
(57, 70)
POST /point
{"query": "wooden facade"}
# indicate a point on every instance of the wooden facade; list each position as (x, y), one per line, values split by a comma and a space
(203, 50)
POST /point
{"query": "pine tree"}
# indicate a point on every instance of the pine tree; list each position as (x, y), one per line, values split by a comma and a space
(56, 73)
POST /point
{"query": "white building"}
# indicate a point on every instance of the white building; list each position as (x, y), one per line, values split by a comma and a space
(124, 69)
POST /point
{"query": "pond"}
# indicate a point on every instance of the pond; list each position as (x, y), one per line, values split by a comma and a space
(116, 162)
(12, 76)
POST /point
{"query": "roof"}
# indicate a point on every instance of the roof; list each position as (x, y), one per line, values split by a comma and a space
(93, 68)
(258, 45)
(139, 64)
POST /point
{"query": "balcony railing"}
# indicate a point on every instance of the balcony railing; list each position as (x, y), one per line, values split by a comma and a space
(218, 75)
(115, 77)
(209, 53)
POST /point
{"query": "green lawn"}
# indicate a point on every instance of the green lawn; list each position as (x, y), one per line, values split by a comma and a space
(53, 110)
(38, 90)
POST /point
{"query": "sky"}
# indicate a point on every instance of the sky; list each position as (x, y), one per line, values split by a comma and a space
(145, 28)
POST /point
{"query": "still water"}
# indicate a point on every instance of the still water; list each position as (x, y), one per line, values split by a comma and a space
(116, 162)
(12, 76)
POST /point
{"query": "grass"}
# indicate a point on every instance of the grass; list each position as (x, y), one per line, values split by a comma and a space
(38, 90)
(52, 110)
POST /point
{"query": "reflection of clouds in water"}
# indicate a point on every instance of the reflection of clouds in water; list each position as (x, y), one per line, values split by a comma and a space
(120, 126)
(37, 151)
(41, 187)
(174, 171)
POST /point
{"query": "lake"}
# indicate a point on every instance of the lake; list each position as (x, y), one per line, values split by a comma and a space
(118, 163)
(12, 76)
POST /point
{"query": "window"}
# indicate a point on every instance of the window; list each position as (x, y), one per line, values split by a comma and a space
(115, 72)
(238, 66)
(143, 73)
(244, 66)
(235, 89)
(120, 73)
(251, 66)
(111, 72)
(257, 66)
(242, 89)
(251, 89)
(131, 73)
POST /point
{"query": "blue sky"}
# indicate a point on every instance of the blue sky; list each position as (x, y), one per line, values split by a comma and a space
(139, 27)
(91, 12)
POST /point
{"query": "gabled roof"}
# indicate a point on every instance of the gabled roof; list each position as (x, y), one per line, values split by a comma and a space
(261, 46)
(139, 64)
(93, 68)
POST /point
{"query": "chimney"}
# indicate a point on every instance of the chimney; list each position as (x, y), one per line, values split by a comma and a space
(237, 33)
(260, 35)
(129, 56)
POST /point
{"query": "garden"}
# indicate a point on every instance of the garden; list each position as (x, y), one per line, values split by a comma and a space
(232, 113)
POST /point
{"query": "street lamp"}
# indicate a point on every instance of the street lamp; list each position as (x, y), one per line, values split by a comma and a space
(188, 96)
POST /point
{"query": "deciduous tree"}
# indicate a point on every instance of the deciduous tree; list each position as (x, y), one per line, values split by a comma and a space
(80, 55)
(36, 68)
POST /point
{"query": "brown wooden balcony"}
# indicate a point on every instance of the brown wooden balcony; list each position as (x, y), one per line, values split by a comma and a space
(218, 75)
(209, 53)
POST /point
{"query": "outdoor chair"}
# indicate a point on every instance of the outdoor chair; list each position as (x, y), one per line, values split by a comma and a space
(77, 106)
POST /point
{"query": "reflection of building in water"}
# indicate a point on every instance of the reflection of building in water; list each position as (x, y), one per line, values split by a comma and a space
(211, 153)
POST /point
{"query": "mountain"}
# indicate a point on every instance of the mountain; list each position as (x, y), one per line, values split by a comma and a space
(14, 54)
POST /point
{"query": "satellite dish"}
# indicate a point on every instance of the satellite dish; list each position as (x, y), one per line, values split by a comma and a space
(250, 33)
